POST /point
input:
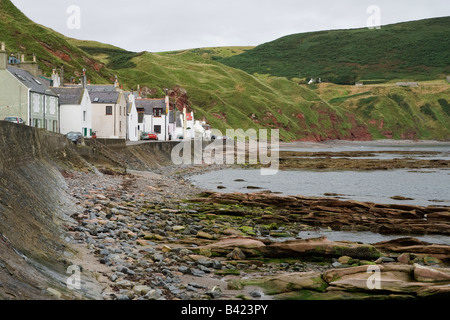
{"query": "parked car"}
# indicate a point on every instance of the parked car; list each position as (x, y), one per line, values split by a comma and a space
(149, 136)
(15, 120)
(75, 137)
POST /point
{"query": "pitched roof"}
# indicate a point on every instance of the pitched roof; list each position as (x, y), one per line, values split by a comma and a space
(31, 82)
(149, 104)
(104, 97)
(69, 95)
(129, 103)
(102, 88)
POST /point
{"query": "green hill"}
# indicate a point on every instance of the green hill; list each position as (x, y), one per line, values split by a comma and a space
(228, 97)
(21, 35)
(416, 50)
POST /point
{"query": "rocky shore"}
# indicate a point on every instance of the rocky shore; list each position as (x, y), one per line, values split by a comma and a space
(150, 236)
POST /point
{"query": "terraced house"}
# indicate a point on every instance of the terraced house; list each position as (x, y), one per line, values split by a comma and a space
(23, 93)
(109, 111)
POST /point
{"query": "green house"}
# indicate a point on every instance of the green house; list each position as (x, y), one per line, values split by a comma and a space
(23, 94)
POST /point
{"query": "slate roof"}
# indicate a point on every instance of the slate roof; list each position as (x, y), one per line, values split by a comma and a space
(101, 88)
(149, 104)
(31, 82)
(104, 97)
(69, 95)
(129, 103)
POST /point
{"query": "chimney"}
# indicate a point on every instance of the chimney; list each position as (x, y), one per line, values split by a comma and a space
(3, 57)
(30, 66)
(56, 79)
(116, 84)
(84, 79)
(62, 76)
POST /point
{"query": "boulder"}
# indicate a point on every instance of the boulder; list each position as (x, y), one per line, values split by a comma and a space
(236, 254)
(416, 247)
(283, 283)
(204, 235)
(427, 274)
(321, 247)
(249, 246)
(345, 260)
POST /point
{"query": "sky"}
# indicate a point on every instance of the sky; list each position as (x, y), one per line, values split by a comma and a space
(156, 26)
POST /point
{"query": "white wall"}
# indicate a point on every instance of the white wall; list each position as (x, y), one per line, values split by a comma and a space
(86, 106)
(70, 120)
(132, 125)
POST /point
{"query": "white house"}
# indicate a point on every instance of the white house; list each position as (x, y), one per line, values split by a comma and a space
(109, 111)
(75, 110)
(154, 117)
(132, 120)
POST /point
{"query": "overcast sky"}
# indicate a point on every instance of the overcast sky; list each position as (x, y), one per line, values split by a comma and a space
(164, 25)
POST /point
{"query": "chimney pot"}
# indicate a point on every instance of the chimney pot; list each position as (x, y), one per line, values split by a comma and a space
(34, 57)
(3, 48)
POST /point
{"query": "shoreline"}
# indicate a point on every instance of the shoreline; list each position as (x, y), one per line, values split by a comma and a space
(150, 241)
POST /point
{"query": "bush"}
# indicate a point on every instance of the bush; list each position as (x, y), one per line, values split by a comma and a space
(426, 109)
(445, 106)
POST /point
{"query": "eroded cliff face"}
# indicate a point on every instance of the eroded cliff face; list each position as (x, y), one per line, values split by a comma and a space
(34, 209)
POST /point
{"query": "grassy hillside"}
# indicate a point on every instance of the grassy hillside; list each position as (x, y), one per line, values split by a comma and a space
(230, 98)
(22, 35)
(395, 112)
(417, 50)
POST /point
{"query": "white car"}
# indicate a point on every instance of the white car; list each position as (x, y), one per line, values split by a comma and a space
(15, 120)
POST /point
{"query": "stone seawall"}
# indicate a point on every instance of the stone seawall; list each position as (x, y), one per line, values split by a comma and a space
(34, 207)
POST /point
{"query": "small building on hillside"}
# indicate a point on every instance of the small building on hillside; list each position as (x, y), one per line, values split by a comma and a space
(24, 95)
(407, 84)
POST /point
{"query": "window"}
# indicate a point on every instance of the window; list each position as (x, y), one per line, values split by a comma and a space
(157, 129)
(157, 112)
(84, 115)
(108, 110)
(120, 126)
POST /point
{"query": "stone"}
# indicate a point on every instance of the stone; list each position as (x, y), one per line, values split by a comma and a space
(197, 272)
(204, 235)
(153, 294)
(404, 258)
(427, 274)
(141, 289)
(184, 270)
(236, 254)
(205, 262)
(255, 294)
(54, 293)
(205, 252)
(217, 265)
(345, 260)
(320, 247)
